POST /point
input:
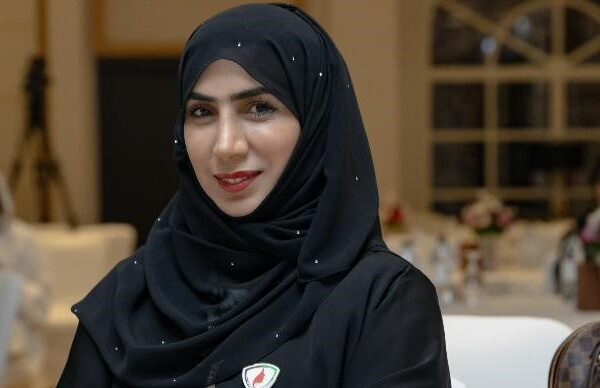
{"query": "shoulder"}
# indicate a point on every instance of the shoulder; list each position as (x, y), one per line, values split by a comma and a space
(379, 273)
(380, 278)
(385, 315)
(100, 297)
(399, 335)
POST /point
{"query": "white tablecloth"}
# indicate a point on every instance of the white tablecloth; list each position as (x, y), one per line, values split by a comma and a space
(522, 293)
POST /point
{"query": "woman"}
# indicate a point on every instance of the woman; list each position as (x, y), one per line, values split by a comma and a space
(267, 268)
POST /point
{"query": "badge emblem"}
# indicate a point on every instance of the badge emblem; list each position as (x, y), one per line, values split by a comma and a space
(260, 375)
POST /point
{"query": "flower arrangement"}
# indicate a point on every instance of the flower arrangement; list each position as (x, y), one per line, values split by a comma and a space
(487, 215)
(394, 221)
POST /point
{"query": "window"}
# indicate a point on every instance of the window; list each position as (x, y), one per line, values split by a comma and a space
(515, 103)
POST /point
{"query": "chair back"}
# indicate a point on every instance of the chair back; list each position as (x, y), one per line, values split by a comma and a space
(576, 363)
(500, 352)
(10, 296)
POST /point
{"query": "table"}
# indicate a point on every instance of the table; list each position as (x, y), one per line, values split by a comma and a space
(522, 293)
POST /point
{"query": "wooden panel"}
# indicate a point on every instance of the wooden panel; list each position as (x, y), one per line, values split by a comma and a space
(138, 106)
(152, 28)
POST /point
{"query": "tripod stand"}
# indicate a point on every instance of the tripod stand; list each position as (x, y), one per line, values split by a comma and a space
(46, 168)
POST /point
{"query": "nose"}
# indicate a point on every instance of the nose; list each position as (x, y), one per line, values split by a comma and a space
(231, 141)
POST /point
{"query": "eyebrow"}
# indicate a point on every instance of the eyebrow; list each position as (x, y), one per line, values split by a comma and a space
(237, 96)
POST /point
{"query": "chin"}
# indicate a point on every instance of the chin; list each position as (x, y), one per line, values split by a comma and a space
(237, 213)
(238, 210)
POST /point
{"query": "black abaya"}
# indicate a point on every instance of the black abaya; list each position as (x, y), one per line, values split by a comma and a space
(380, 327)
(314, 291)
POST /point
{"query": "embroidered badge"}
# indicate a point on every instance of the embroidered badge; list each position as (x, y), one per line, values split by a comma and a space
(260, 375)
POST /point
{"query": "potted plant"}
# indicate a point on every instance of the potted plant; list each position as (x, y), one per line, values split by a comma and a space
(394, 221)
(488, 217)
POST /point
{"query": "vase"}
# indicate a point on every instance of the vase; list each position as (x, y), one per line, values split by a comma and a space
(489, 250)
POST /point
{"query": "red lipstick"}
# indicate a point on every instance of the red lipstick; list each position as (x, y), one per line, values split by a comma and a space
(237, 181)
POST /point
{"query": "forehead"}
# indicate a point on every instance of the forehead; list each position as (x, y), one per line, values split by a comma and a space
(224, 77)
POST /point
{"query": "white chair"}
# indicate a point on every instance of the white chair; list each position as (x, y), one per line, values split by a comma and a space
(456, 384)
(120, 239)
(78, 259)
(500, 352)
(10, 295)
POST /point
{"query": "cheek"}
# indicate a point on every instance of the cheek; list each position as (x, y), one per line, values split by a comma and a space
(195, 143)
(277, 144)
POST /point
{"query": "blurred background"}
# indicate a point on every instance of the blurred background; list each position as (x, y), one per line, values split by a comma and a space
(483, 118)
(456, 96)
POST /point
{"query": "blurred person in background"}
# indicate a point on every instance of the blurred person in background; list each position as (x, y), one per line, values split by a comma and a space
(20, 253)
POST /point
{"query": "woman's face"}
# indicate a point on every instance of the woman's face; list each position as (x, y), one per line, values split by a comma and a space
(239, 137)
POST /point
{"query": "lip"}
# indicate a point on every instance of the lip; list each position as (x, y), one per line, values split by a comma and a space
(238, 174)
(249, 177)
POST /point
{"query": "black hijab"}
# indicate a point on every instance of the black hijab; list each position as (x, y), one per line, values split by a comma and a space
(209, 293)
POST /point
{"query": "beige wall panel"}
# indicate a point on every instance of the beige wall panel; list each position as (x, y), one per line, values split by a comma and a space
(18, 12)
(18, 32)
(368, 37)
(158, 22)
(17, 49)
(72, 109)
(10, 131)
(414, 150)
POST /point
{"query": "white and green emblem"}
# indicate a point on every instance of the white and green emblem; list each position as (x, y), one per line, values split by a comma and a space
(261, 375)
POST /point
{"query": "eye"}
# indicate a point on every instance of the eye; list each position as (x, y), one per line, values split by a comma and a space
(261, 110)
(198, 112)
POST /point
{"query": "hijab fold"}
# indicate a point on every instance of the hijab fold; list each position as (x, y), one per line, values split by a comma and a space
(209, 293)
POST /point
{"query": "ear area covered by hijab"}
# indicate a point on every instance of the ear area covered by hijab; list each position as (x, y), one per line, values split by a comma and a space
(182, 307)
